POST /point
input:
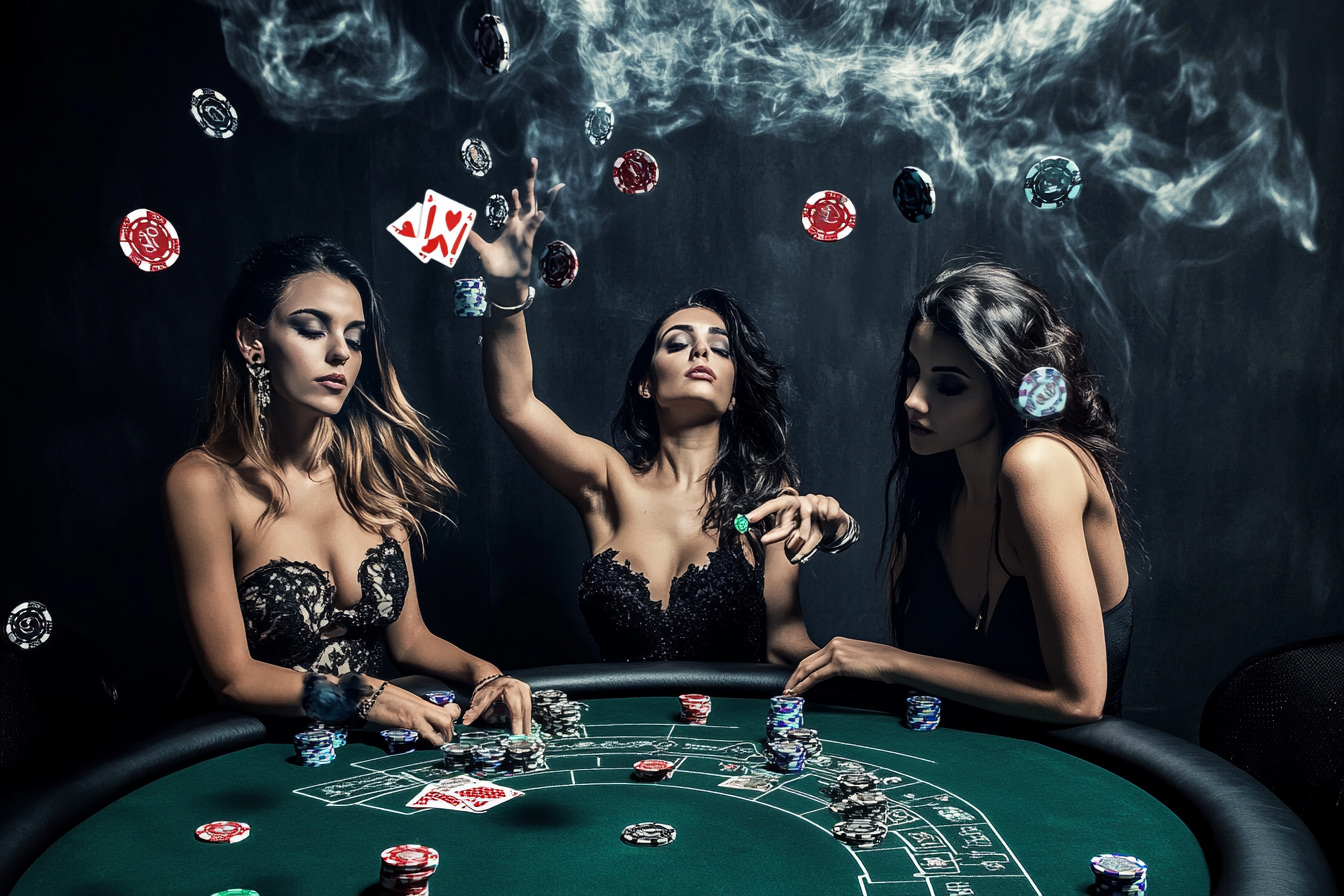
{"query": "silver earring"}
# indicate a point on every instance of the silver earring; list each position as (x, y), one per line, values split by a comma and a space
(261, 374)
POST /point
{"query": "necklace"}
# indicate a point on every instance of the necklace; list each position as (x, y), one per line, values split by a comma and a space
(993, 537)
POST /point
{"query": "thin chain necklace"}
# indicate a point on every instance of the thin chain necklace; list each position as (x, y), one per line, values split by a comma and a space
(993, 537)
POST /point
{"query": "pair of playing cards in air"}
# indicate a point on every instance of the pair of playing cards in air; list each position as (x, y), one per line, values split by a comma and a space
(462, 793)
(436, 228)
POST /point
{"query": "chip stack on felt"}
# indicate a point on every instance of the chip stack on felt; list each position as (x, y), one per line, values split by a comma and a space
(406, 870)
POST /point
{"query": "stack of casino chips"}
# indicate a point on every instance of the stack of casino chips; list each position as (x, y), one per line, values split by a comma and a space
(407, 869)
(653, 769)
(338, 734)
(556, 713)
(1119, 874)
(649, 833)
(786, 714)
(786, 756)
(488, 758)
(850, 785)
(456, 756)
(694, 708)
(807, 737)
(524, 752)
(399, 740)
(860, 833)
(868, 805)
(923, 713)
(314, 747)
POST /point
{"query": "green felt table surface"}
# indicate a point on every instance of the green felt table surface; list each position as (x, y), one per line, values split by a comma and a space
(976, 815)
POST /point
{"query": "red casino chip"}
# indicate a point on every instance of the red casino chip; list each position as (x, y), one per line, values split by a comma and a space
(653, 766)
(149, 240)
(409, 858)
(223, 832)
(559, 265)
(829, 216)
(635, 172)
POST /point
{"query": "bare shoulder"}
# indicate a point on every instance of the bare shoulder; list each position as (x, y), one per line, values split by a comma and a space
(198, 477)
(1046, 468)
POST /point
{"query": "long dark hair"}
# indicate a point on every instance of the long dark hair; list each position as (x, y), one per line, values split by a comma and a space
(1011, 328)
(753, 461)
(382, 453)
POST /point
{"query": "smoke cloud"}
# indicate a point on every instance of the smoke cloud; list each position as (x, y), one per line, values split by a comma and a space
(1180, 138)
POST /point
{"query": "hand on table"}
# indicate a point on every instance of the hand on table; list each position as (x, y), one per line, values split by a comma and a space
(514, 694)
(801, 522)
(509, 257)
(844, 656)
(399, 708)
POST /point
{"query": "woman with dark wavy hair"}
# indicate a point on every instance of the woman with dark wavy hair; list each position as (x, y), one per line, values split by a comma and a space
(312, 452)
(1007, 575)
(701, 432)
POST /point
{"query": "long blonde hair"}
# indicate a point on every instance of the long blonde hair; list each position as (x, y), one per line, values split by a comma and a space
(379, 448)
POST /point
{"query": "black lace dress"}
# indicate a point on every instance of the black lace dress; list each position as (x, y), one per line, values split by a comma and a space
(715, 612)
(291, 617)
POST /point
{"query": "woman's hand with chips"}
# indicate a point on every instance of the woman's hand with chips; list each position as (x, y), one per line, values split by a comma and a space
(802, 522)
(509, 257)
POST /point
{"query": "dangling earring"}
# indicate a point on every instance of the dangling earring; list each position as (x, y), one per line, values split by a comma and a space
(260, 374)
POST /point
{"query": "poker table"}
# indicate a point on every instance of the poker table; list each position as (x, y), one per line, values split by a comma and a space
(973, 812)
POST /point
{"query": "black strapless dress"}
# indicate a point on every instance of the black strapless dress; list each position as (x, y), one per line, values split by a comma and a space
(291, 618)
(715, 612)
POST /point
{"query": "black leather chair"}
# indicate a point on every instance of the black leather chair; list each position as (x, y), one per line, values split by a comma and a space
(1280, 717)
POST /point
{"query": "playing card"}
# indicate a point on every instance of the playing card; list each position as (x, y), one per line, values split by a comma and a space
(406, 229)
(438, 795)
(445, 226)
(758, 783)
(481, 796)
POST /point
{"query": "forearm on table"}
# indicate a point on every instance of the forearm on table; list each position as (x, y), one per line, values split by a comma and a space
(431, 655)
(264, 689)
(987, 689)
(506, 357)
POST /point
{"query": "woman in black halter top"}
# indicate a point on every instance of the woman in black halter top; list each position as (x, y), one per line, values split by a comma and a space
(289, 525)
(1007, 574)
(702, 432)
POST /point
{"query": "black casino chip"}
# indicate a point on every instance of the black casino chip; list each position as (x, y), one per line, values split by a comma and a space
(214, 113)
(476, 156)
(497, 211)
(1053, 182)
(914, 195)
(28, 625)
(598, 124)
(492, 45)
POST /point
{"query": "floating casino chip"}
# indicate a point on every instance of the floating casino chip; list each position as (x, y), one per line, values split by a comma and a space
(598, 124)
(913, 192)
(649, 833)
(829, 216)
(492, 45)
(1043, 393)
(28, 625)
(559, 265)
(635, 172)
(475, 156)
(497, 211)
(149, 240)
(223, 832)
(214, 113)
(1053, 182)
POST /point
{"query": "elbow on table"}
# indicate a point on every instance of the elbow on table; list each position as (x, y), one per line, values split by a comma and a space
(1082, 709)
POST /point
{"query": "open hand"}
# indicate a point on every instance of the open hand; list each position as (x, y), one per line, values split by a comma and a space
(509, 257)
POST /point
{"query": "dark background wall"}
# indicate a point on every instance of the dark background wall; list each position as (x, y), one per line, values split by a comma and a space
(1202, 261)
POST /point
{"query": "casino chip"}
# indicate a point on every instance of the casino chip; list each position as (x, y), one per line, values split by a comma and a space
(559, 265)
(741, 523)
(913, 192)
(492, 45)
(860, 833)
(28, 625)
(223, 832)
(497, 211)
(1043, 393)
(635, 172)
(149, 240)
(829, 216)
(598, 124)
(649, 833)
(214, 113)
(475, 156)
(1117, 873)
(237, 892)
(1053, 182)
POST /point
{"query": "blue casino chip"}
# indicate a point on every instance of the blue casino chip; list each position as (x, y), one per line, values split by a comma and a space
(1043, 393)
(1053, 182)
(914, 195)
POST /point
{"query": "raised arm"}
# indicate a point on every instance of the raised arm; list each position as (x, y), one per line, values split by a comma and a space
(196, 508)
(574, 465)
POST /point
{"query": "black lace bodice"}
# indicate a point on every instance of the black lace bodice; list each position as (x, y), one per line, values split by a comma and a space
(714, 612)
(291, 618)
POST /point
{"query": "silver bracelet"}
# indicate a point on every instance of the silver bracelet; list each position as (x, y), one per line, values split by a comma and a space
(523, 306)
(844, 542)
